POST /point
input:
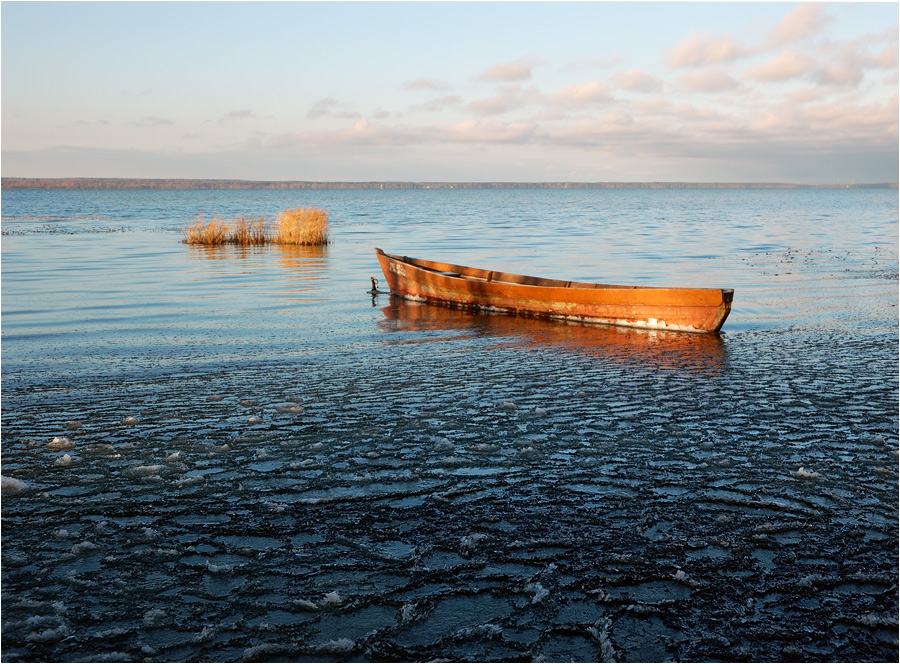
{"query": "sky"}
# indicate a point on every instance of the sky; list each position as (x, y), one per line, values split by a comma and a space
(452, 91)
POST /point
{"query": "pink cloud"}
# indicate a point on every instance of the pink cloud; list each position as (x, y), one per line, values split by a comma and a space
(508, 98)
(840, 74)
(584, 93)
(786, 65)
(508, 72)
(709, 80)
(488, 131)
(702, 50)
(362, 132)
(887, 59)
(805, 95)
(635, 80)
(437, 104)
(801, 22)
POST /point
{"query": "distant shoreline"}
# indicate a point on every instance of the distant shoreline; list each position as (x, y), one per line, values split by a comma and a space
(179, 183)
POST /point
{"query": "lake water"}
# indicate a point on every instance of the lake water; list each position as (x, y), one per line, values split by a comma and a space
(221, 454)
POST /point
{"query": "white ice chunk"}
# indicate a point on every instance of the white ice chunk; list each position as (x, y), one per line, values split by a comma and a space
(65, 460)
(12, 486)
(333, 599)
(61, 443)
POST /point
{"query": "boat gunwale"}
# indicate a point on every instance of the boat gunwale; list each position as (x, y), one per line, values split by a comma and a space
(453, 271)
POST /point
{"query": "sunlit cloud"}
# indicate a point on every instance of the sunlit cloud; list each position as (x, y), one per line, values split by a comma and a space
(707, 80)
(888, 58)
(488, 131)
(703, 50)
(635, 80)
(604, 130)
(801, 22)
(593, 92)
(436, 105)
(508, 72)
(786, 65)
(840, 74)
(507, 98)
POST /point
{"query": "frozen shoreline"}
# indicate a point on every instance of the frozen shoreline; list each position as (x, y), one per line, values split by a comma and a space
(526, 502)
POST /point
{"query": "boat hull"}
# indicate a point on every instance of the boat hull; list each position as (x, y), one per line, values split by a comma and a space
(678, 309)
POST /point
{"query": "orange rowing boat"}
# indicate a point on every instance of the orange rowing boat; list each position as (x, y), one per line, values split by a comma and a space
(678, 309)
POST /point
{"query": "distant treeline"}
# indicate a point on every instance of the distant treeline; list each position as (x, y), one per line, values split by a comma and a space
(148, 183)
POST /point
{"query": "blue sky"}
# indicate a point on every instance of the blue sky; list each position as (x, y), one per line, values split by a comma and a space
(467, 91)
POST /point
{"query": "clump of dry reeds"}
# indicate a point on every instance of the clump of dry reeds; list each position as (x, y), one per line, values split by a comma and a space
(302, 226)
(215, 231)
(246, 232)
(306, 226)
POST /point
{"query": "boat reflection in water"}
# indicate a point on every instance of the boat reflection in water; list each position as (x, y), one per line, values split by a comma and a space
(650, 348)
(303, 266)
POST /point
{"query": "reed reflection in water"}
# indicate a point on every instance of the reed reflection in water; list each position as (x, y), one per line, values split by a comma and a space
(302, 270)
(648, 348)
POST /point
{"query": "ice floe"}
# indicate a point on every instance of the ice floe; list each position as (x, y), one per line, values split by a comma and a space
(12, 486)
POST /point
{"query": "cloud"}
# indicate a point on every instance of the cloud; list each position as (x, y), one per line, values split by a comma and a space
(805, 95)
(152, 121)
(82, 123)
(801, 22)
(702, 50)
(321, 108)
(887, 58)
(583, 93)
(436, 105)
(243, 114)
(791, 65)
(840, 74)
(786, 65)
(508, 72)
(361, 132)
(422, 83)
(507, 98)
(599, 131)
(635, 80)
(487, 131)
(328, 107)
(708, 80)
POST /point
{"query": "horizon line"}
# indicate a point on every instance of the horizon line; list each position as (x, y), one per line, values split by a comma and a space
(15, 182)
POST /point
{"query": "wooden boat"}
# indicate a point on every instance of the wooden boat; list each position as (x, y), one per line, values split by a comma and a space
(677, 309)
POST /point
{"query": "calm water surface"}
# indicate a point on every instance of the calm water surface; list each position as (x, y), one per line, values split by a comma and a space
(225, 454)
